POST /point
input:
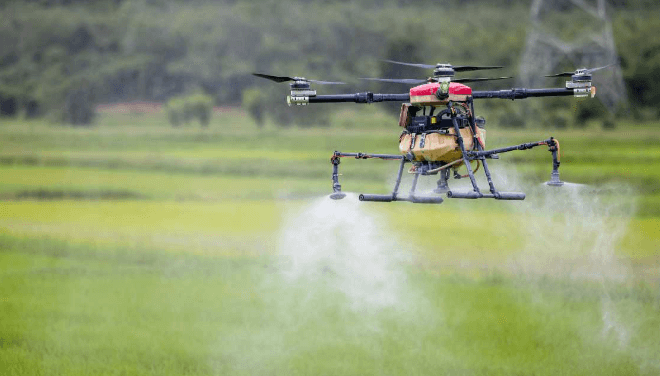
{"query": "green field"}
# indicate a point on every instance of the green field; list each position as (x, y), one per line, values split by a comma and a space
(134, 248)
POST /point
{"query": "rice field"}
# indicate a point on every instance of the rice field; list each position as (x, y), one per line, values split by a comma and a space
(133, 248)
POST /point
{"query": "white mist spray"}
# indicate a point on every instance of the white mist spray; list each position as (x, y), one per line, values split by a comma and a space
(572, 233)
(342, 246)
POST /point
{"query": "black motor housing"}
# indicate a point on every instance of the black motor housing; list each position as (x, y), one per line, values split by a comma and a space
(422, 124)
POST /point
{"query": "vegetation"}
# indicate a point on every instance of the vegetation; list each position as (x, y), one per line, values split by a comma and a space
(181, 110)
(136, 247)
(139, 248)
(60, 58)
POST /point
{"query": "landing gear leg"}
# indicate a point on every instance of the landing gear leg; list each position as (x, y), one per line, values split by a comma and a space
(414, 185)
(394, 196)
(443, 187)
(459, 139)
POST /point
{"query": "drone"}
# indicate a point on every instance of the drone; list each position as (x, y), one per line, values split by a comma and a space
(440, 131)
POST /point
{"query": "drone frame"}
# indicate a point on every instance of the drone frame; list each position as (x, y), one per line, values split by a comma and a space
(477, 154)
(579, 86)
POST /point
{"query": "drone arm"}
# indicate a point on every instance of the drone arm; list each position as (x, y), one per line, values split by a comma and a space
(367, 97)
(487, 153)
(522, 93)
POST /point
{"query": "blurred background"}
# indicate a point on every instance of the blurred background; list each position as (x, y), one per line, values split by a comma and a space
(60, 59)
(163, 211)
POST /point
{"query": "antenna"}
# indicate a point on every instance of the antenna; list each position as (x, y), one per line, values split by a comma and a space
(593, 46)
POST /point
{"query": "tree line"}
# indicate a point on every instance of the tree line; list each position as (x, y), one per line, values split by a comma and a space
(59, 58)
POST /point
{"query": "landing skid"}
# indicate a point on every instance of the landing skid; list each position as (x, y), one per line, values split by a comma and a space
(394, 196)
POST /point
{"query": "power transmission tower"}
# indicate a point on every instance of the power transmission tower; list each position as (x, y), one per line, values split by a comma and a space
(593, 46)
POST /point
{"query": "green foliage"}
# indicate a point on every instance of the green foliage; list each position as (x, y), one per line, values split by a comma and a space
(151, 244)
(587, 110)
(253, 103)
(153, 50)
(182, 110)
(636, 38)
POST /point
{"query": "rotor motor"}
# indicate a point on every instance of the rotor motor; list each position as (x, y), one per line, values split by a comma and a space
(300, 92)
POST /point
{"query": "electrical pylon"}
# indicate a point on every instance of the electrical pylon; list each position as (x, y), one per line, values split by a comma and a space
(593, 46)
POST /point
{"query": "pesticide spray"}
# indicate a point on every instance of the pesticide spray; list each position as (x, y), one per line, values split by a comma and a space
(342, 247)
(339, 262)
(339, 277)
(573, 232)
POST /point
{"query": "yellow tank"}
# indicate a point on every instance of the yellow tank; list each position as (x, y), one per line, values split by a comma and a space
(436, 147)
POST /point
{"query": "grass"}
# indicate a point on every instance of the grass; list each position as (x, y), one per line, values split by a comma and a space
(135, 248)
(234, 147)
(150, 184)
(183, 314)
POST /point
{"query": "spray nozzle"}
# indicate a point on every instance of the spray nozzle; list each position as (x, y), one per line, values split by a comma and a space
(554, 179)
(336, 187)
(553, 147)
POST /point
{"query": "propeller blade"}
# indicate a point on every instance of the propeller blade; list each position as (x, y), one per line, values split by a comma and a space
(565, 74)
(417, 81)
(427, 66)
(586, 71)
(327, 82)
(397, 80)
(285, 79)
(458, 68)
(599, 68)
(465, 68)
(479, 79)
(274, 78)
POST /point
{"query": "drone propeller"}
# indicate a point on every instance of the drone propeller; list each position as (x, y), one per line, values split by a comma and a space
(294, 79)
(582, 71)
(398, 80)
(480, 79)
(417, 81)
(456, 68)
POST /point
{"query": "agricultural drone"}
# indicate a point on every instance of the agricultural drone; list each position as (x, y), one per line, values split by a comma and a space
(440, 129)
